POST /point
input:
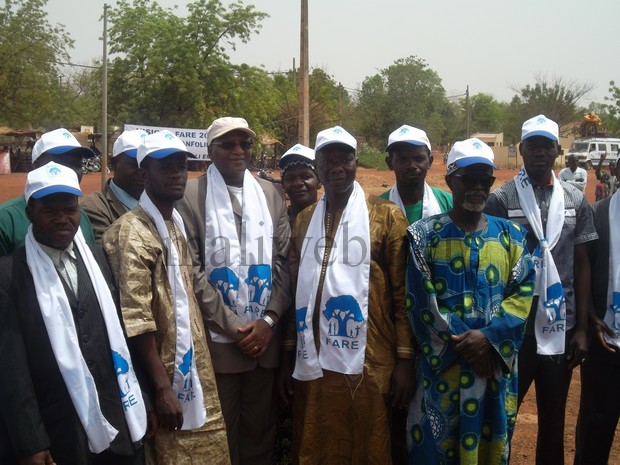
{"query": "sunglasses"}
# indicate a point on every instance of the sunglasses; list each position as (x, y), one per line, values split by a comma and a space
(470, 180)
(229, 145)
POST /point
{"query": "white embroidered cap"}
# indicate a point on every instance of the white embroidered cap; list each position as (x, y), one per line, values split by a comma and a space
(57, 142)
(50, 179)
(469, 152)
(160, 145)
(540, 126)
(335, 135)
(410, 135)
(128, 143)
(226, 124)
(299, 152)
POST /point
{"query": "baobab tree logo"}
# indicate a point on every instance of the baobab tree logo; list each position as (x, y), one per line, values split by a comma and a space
(302, 326)
(342, 312)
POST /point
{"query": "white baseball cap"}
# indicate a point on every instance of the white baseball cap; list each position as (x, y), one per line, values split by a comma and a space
(52, 178)
(297, 152)
(128, 143)
(335, 135)
(410, 135)
(226, 124)
(469, 152)
(57, 142)
(540, 126)
(160, 145)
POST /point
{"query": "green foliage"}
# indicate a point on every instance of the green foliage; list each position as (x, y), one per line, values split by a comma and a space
(610, 112)
(370, 157)
(407, 92)
(30, 48)
(173, 71)
(556, 98)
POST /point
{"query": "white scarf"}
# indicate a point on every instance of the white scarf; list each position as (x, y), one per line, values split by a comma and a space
(60, 326)
(239, 267)
(345, 292)
(612, 314)
(550, 323)
(185, 382)
(430, 205)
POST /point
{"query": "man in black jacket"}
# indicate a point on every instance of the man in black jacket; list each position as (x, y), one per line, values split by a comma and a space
(69, 394)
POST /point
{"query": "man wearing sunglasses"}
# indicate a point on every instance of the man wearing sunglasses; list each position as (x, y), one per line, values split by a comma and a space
(559, 222)
(239, 234)
(469, 287)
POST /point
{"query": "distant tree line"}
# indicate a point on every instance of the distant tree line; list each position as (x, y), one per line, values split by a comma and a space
(168, 70)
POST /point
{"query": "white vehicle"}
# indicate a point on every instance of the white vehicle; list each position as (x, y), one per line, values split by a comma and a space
(589, 150)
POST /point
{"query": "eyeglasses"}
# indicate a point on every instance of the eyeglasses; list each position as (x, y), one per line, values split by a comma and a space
(471, 180)
(231, 144)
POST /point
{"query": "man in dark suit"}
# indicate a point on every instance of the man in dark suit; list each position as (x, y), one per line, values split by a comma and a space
(69, 394)
(238, 233)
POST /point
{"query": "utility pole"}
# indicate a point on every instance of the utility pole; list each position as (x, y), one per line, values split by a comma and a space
(304, 87)
(104, 98)
(467, 110)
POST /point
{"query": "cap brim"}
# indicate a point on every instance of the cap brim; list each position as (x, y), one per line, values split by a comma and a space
(546, 134)
(411, 142)
(217, 135)
(132, 153)
(163, 153)
(464, 162)
(62, 149)
(56, 190)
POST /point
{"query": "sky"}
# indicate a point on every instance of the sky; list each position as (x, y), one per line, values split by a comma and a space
(492, 46)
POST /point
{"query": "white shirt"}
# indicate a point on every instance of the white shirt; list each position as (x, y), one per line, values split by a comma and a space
(577, 179)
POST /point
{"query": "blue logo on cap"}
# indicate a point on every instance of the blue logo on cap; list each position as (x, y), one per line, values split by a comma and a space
(297, 148)
(541, 120)
(404, 130)
(54, 171)
(169, 136)
(66, 135)
(477, 145)
(337, 131)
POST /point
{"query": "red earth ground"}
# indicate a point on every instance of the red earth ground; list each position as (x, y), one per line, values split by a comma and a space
(375, 182)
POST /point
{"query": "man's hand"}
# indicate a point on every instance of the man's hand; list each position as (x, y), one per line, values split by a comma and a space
(152, 425)
(599, 329)
(40, 458)
(403, 382)
(257, 336)
(577, 348)
(168, 408)
(477, 351)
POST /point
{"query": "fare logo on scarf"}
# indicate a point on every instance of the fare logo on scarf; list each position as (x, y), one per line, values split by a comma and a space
(188, 394)
(556, 309)
(615, 309)
(259, 287)
(343, 319)
(121, 368)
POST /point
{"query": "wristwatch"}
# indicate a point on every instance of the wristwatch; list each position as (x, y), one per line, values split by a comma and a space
(270, 321)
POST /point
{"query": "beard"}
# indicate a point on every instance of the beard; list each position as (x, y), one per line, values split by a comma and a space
(473, 203)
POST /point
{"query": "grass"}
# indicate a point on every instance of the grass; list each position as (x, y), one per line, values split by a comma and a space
(370, 157)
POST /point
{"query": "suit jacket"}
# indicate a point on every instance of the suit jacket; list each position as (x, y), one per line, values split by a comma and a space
(34, 399)
(227, 358)
(103, 208)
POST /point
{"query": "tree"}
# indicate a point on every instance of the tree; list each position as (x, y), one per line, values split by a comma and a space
(174, 71)
(554, 97)
(343, 308)
(407, 92)
(31, 49)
